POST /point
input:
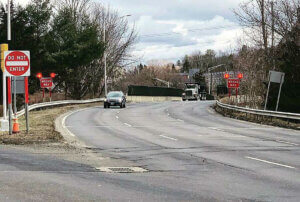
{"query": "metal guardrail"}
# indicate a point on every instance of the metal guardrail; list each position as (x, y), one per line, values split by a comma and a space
(285, 115)
(56, 103)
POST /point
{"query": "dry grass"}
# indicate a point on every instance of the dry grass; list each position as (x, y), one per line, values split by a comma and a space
(41, 125)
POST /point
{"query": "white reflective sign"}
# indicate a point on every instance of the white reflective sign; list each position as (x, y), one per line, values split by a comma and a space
(276, 77)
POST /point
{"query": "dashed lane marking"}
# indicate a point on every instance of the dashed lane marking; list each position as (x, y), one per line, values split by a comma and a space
(170, 138)
(127, 124)
(122, 169)
(270, 162)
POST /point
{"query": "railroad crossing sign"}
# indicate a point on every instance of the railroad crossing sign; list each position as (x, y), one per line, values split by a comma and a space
(233, 83)
(17, 63)
(46, 82)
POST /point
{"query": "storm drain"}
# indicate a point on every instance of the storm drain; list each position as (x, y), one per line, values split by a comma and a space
(122, 169)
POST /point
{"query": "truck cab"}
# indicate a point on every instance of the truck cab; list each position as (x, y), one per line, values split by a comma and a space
(191, 92)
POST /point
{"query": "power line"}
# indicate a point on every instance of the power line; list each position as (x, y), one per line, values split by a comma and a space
(210, 42)
(189, 30)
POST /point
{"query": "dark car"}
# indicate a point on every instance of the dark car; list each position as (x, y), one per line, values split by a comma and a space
(115, 98)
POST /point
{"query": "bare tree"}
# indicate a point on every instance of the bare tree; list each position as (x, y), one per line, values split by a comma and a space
(119, 39)
(262, 17)
(266, 23)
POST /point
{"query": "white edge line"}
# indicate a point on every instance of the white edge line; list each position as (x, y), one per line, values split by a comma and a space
(170, 138)
(64, 120)
(265, 161)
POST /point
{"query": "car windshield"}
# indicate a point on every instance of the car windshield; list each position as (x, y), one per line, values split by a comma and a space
(114, 94)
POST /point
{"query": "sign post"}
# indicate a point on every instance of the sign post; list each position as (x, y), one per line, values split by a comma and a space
(46, 82)
(275, 77)
(26, 104)
(17, 63)
(9, 104)
(233, 83)
(4, 122)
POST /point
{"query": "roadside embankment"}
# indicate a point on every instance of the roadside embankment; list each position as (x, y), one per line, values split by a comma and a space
(258, 118)
(41, 123)
(152, 98)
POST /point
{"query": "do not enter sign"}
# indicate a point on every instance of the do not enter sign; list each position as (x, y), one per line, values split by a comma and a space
(17, 63)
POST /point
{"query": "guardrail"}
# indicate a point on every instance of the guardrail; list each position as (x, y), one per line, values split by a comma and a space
(56, 103)
(285, 115)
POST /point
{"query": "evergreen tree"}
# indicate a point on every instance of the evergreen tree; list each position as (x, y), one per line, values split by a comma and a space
(186, 64)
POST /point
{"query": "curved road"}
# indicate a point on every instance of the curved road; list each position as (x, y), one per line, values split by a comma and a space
(192, 153)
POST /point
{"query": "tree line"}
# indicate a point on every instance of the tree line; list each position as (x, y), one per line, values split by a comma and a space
(270, 41)
(67, 37)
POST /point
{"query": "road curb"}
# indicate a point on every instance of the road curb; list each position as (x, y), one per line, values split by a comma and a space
(69, 137)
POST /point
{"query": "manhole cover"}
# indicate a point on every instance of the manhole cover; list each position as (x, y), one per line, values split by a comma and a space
(122, 169)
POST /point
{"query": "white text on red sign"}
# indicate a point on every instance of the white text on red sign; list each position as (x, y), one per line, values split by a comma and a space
(46, 82)
(17, 63)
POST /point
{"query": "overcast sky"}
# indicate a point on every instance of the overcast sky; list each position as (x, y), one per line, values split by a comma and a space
(169, 29)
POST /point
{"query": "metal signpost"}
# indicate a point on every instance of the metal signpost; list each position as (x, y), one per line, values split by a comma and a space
(17, 63)
(275, 77)
(233, 83)
(4, 121)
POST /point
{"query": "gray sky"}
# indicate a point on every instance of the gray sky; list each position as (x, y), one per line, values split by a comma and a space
(169, 29)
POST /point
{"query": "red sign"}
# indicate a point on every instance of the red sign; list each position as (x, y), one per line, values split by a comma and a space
(17, 63)
(46, 82)
(233, 83)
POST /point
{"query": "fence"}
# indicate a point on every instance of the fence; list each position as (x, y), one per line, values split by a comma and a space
(153, 91)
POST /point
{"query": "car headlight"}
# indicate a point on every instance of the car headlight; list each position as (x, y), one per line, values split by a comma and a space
(120, 99)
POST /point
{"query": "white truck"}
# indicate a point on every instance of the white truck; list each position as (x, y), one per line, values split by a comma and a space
(193, 91)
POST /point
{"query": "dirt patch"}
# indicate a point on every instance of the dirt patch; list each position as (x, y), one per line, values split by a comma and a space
(41, 125)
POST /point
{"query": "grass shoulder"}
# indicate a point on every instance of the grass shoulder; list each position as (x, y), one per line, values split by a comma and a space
(41, 123)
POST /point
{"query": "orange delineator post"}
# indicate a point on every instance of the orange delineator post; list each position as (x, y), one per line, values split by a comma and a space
(16, 128)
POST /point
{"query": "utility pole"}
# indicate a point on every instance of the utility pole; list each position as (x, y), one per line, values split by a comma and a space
(105, 73)
(210, 76)
(4, 47)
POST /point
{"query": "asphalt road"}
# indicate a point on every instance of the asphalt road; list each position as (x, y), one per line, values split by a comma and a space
(191, 153)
